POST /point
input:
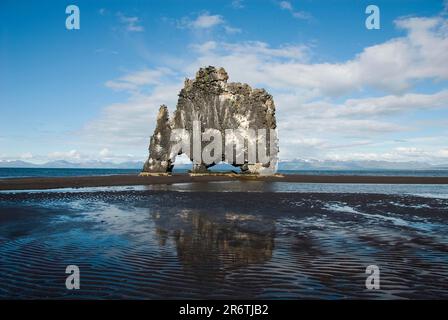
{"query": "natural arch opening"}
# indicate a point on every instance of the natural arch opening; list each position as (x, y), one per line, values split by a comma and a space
(182, 164)
(223, 167)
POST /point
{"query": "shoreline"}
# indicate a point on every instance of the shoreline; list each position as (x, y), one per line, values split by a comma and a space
(43, 183)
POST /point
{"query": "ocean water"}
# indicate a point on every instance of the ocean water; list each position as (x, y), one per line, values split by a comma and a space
(59, 172)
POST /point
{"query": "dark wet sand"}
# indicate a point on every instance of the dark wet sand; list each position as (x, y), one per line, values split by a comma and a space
(133, 180)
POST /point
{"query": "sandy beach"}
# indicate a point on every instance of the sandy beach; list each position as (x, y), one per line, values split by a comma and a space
(134, 180)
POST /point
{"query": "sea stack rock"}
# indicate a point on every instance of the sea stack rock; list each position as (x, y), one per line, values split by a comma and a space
(159, 145)
(210, 103)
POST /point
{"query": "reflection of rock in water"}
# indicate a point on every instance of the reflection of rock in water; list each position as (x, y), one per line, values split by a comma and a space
(214, 243)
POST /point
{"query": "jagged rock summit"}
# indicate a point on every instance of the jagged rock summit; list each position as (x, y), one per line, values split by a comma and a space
(211, 103)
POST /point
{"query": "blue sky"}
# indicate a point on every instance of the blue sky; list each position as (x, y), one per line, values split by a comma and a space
(341, 91)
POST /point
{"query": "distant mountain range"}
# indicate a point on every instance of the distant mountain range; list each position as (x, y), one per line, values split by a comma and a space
(299, 164)
(296, 164)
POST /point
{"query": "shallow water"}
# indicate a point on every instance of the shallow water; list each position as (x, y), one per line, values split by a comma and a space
(153, 244)
(421, 190)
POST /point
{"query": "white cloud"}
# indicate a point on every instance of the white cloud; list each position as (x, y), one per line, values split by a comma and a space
(207, 21)
(75, 156)
(128, 125)
(377, 106)
(135, 80)
(130, 23)
(400, 154)
(286, 5)
(392, 67)
(231, 30)
(205, 47)
(104, 153)
(238, 4)
(443, 153)
(202, 21)
(26, 156)
(65, 155)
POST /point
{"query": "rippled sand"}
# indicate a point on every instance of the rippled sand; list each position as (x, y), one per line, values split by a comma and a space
(167, 244)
